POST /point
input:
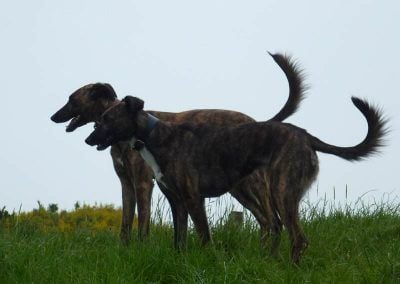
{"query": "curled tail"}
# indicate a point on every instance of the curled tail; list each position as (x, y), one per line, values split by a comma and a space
(295, 79)
(371, 144)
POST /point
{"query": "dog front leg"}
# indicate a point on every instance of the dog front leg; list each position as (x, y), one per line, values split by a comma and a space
(181, 228)
(197, 212)
(143, 188)
(128, 196)
(128, 209)
(180, 219)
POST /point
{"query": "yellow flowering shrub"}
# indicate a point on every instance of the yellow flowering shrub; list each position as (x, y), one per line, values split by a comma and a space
(94, 218)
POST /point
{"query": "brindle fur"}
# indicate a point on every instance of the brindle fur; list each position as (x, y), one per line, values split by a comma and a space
(205, 160)
(89, 102)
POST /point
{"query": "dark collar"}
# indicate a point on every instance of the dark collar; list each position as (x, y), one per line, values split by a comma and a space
(138, 144)
(151, 122)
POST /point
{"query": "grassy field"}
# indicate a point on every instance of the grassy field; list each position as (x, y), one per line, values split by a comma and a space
(346, 246)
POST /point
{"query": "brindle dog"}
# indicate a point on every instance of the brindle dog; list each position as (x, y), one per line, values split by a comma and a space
(89, 102)
(195, 161)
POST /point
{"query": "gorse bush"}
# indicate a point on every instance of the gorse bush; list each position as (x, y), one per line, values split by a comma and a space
(86, 217)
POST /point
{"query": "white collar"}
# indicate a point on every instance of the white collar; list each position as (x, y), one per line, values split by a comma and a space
(149, 159)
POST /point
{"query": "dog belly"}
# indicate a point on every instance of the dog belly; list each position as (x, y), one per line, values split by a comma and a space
(214, 185)
(213, 191)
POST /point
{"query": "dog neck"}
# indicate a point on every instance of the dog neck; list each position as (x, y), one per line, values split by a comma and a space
(138, 143)
(146, 123)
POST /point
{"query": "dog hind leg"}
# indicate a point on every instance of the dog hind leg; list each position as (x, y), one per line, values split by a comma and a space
(297, 237)
(288, 207)
(256, 210)
(295, 177)
(276, 231)
(253, 193)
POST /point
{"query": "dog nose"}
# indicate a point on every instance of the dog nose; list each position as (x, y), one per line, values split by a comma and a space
(53, 118)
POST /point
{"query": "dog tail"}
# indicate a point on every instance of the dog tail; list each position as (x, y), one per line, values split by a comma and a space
(297, 89)
(377, 130)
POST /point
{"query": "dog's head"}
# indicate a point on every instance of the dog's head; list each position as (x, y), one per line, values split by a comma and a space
(120, 122)
(85, 105)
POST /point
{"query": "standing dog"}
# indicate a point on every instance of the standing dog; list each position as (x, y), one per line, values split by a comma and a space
(195, 161)
(89, 102)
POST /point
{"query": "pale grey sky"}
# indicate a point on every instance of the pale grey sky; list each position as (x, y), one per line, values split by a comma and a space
(180, 55)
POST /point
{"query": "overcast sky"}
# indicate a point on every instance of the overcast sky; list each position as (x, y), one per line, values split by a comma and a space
(180, 55)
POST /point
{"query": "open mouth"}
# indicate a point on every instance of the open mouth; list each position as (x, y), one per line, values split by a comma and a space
(102, 147)
(74, 124)
(105, 144)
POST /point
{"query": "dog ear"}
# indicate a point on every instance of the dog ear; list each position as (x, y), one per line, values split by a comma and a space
(102, 90)
(133, 104)
(111, 92)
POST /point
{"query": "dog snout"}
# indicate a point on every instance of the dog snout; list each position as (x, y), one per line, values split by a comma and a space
(57, 117)
(62, 115)
(54, 118)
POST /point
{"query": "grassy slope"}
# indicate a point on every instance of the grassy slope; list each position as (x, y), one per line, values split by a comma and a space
(343, 249)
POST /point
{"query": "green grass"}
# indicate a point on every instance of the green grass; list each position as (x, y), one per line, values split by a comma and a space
(345, 247)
